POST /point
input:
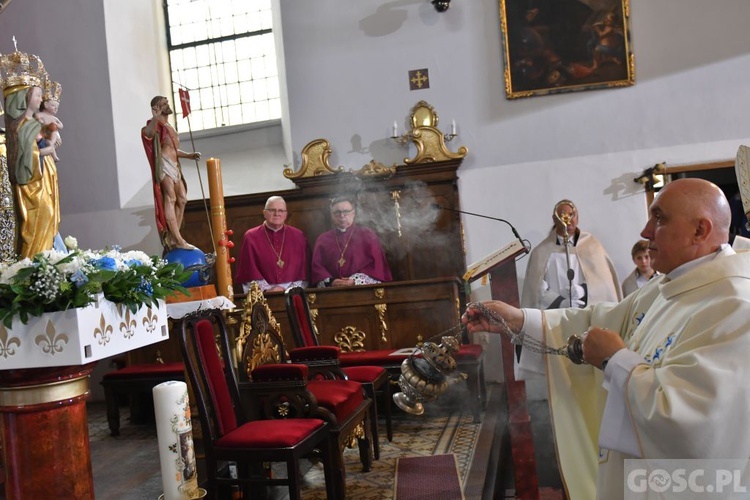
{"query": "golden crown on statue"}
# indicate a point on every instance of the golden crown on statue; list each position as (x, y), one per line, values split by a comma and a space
(21, 69)
(52, 90)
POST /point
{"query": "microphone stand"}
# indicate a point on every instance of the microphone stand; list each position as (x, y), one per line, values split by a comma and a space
(515, 233)
(566, 241)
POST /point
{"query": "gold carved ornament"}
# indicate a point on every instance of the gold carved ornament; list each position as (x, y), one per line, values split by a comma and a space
(382, 309)
(258, 324)
(311, 298)
(314, 161)
(429, 141)
(349, 339)
(374, 169)
(357, 433)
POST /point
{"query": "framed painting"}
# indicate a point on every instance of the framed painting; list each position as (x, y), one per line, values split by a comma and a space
(554, 46)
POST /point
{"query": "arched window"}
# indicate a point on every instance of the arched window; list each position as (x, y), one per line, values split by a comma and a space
(223, 52)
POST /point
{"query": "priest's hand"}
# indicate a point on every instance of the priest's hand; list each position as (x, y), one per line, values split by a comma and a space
(599, 345)
(476, 320)
(342, 282)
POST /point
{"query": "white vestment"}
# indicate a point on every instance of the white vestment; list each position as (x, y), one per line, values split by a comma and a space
(598, 272)
(687, 395)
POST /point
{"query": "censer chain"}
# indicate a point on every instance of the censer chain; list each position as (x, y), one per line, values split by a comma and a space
(516, 338)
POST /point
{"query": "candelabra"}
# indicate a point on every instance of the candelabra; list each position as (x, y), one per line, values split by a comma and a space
(429, 142)
(407, 137)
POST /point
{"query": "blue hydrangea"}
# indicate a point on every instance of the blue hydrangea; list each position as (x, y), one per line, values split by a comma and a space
(79, 278)
(146, 287)
(106, 264)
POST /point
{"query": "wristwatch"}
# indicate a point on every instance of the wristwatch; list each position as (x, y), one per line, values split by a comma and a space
(328, 281)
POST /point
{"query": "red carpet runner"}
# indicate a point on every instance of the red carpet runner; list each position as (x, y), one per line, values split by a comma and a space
(433, 477)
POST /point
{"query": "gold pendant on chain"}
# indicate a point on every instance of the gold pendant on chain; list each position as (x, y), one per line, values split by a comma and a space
(280, 262)
(342, 261)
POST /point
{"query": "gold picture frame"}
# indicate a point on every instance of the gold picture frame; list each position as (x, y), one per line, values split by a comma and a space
(555, 46)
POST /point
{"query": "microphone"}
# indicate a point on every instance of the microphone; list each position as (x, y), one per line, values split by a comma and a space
(515, 233)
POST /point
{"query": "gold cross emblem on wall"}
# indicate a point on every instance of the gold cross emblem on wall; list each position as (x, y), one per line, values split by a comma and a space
(419, 79)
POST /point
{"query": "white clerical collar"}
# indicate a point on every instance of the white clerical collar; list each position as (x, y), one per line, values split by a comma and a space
(725, 249)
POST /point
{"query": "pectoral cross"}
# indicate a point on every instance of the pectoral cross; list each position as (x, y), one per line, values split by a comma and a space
(342, 261)
(280, 262)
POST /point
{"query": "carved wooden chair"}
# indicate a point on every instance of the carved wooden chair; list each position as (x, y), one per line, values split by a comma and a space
(374, 379)
(342, 403)
(230, 436)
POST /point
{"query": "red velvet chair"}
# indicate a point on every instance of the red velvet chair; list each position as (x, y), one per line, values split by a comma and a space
(374, 379)
(342, 403)
(136, 382)
(469, 359)
(228, 436)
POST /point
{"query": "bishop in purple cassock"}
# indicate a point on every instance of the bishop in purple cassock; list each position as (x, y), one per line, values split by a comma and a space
(274, 255)
(348, 254)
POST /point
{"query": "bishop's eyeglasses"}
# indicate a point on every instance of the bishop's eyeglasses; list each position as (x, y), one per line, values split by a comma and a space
(275, 211)
(339, 213)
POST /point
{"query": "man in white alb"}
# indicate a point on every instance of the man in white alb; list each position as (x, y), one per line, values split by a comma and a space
(569, 268)
(666, 372)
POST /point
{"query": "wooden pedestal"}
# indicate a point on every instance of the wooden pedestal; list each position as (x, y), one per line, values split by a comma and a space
(45, 438)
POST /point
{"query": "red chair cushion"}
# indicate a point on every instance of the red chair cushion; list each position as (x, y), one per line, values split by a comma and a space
(308, 336)
(280, 371)
(269, 433)
(378, 357)
(217, 383)
(146, 369)
(363, 374)
(341, 397)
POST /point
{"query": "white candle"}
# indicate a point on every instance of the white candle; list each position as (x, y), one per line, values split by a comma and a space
(395, 129)
(174, 433)
(453, 127)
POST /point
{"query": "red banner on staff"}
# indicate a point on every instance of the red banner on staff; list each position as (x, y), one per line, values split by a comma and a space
(184, 102)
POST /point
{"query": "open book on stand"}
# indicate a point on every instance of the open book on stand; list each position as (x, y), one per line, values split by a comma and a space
(488, 263)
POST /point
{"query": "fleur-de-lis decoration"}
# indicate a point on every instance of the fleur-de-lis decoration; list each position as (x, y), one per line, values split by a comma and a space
(104, 331)
(128, 325)
(150, 320)
(51, 342)
(8, 345)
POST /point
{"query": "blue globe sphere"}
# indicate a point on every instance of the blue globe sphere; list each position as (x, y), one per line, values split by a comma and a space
(191, 259)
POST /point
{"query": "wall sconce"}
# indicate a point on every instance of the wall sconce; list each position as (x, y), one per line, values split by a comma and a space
(441, 5)
(429, 142)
